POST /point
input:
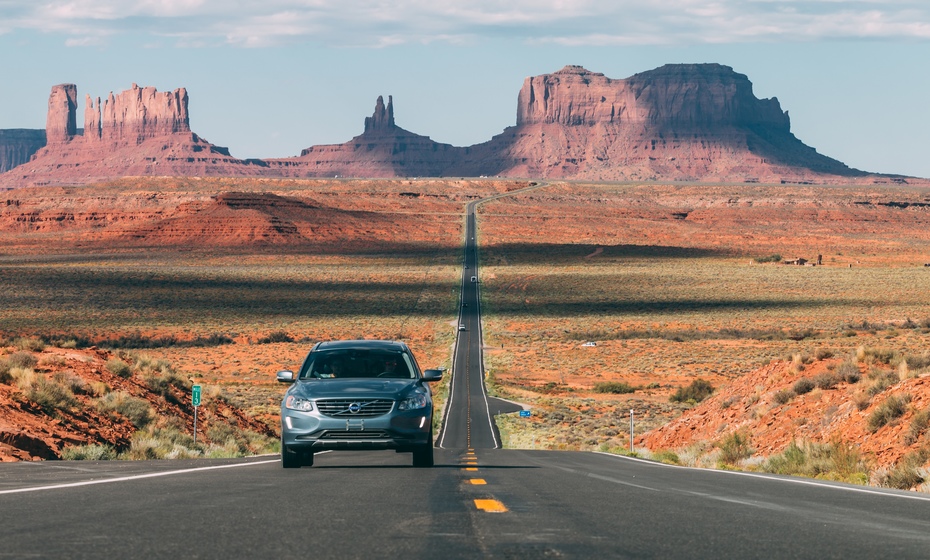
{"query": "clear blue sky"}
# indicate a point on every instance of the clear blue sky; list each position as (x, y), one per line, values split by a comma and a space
(268, 78)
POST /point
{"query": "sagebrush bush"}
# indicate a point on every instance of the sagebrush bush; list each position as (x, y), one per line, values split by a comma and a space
(890, 409)
(907, 473)
(849, 371)
(614, 387)
(119, 368)
(834, 461)
(803, 385)
(666, 456)
(138, 411)
(881, 380)
(51, 394)
(697, 391)
(276, 336)
(919, 424)
(783, 396)
(29, 344)
(22, 360)
(826, 380)
(734, 448)
(823, 353)
(90, 452)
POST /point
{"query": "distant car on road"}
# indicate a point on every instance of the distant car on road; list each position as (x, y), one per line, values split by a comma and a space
(357, 394)
(461, 327)
(474, 278)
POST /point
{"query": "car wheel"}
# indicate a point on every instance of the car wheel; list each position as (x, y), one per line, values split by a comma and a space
(423, 454)
(306, 459)
(290, 459)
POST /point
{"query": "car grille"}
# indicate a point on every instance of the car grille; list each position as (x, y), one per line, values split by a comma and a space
(343, 408)
(355, 434)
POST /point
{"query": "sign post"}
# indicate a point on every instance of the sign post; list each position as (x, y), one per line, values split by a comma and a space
(195, 400)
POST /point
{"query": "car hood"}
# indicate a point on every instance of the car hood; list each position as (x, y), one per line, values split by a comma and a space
(354, 388)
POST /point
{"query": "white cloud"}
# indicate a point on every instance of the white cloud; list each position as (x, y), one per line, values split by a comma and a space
(388, 22)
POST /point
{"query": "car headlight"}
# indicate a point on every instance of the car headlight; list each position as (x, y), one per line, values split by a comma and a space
(298, 403)
(414, 402)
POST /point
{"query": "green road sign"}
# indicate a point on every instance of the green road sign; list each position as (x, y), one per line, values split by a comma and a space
(195, 396)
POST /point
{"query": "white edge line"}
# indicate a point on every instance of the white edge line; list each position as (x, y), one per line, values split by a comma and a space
(133, 477)
(802, 481)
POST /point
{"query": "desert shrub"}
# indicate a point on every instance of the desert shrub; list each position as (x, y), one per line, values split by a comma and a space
(770, 258)
(22, 360)
(919, 424)
(803, 385)
(50, 394)
(862, 399)
(879, 355)
(147, 365)
(77, 385)
(30, 344)
(907, 473)
(848, 371)
(5, 376)
(734, 448)
(697, 391)
(119, 368)
(137, 411)
(917, 363)
(783, 396)
(823, 354)
(833, 461)
(91, 452)
(890, 409)
(276, 336)
(615, 387)
(168, 441)
(666, 456)
(881, 380)
(826, 380)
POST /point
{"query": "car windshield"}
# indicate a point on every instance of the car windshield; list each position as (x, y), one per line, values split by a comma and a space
(357, 363)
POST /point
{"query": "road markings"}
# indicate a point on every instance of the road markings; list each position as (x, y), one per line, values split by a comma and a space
(471, 469)
(477, 481)
(490, 506)
(134, 477)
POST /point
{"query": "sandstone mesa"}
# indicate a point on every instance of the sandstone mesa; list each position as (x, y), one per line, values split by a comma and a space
(681, 122)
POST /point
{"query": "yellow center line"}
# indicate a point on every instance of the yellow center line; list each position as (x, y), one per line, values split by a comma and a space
(490, 506)
(471, 469)
(477, 481)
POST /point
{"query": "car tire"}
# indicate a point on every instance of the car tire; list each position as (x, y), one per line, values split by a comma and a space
(290, 459)
(423, 454)
(306, 459)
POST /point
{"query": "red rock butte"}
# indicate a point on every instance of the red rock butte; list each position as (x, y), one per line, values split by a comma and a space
(680, 122)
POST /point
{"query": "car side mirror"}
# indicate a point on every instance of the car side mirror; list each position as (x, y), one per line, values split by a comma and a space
(431, 375)
(286, 376)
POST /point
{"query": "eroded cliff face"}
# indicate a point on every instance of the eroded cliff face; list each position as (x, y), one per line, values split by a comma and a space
(675, 95)
(680, 122)
(140, 131)
(135, 115)
(17, 145)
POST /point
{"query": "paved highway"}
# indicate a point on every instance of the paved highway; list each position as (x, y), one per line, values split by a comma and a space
(468, 421)
(483, 504)
(478, 502)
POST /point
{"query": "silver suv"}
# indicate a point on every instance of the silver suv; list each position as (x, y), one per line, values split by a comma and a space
(357, 394)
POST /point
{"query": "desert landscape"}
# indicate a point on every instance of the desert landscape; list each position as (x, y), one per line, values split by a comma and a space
(679, 253)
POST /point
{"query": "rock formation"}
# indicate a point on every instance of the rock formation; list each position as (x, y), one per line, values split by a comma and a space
(680, 122)
(382, 150)
(61, 122)
(17, 146)
(137, 132)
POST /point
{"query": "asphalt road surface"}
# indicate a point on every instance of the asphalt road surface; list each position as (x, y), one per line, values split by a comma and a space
(482, 504)
(479, 501)
(468, 421)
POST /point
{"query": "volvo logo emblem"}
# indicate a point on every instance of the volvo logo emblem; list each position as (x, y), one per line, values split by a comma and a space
(354, 408)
